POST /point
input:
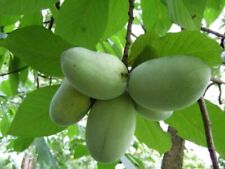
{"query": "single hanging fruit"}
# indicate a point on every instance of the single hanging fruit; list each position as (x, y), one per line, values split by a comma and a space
(97, 75)
(110, 128)
(169, 83)
(68, 106)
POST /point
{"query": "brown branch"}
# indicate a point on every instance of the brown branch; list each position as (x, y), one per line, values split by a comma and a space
(14, 71)
(216, 80)
(220, 94)
(37, 82)
(212, 32)
(208, 132)
(129, 31)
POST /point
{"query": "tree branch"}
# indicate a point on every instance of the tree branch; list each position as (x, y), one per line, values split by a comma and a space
(208, 132)
(216, 80)
(212, 32)
(14, 71)
(129, 31)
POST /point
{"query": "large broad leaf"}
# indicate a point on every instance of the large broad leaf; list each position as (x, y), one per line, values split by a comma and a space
(8, 19)
(155, 16)
(117, 17)
(212, 10)
(191, 43)
(152, 135)
(187, 13)
(32, 117)
(31, 19)
(84, 22)
(38, 47)
(14, 7)
(188, 123)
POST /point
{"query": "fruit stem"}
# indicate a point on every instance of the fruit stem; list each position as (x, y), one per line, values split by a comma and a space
(208, 132)
(129, 32)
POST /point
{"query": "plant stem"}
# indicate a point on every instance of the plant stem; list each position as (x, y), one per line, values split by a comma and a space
(14, 71)
(208, 132)
(129, 31)
(212, 32)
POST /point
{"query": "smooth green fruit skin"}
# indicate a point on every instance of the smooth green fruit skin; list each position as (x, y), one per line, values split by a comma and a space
(154, 115)
(169, 83)
(68, 106)
(97, 75)
(110, 128)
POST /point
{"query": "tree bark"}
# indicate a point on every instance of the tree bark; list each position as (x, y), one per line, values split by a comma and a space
(173, 159)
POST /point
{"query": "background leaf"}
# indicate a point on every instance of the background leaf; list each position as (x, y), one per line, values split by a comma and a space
(191, 43)
(38, 47)
(155, 16)
(32, 117)
(14, 7)
(14, 77)
(187, 13)
(45, 157)
(82, 23)
(152, 135)
(117, 17)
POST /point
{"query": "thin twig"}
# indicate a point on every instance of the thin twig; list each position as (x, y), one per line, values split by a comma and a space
(208, 132)
(50, 80)
(134, 35)
(57, 5)
(37, 82)
(207, 88)
(212, 32)
(14, 71)
(129, 31)
(220, 94)
(51, 23)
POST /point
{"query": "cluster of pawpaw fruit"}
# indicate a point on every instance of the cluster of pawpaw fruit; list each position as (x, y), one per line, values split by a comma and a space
(154, 89)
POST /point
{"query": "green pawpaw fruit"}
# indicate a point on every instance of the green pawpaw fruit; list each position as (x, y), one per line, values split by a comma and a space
(68, 105)
(110, 128)
(169, 83)
(97, 75)
(154, 115)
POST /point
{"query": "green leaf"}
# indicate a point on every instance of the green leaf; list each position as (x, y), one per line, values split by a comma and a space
(80, 151)
(155, 16)
(20, 144)
(191, 43)
(45, 157)
(151, 134)
(4, 123)
(142, 49)
(14, 77)
(15, 7)
(31, 19)
(135, 161)
(8, 19)
(6, 88)
(212, 10)
(187, 13)
(106, 166)
(117, 17)
(32, 117)
(188, 123)
(38, 47)
(82, 23)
